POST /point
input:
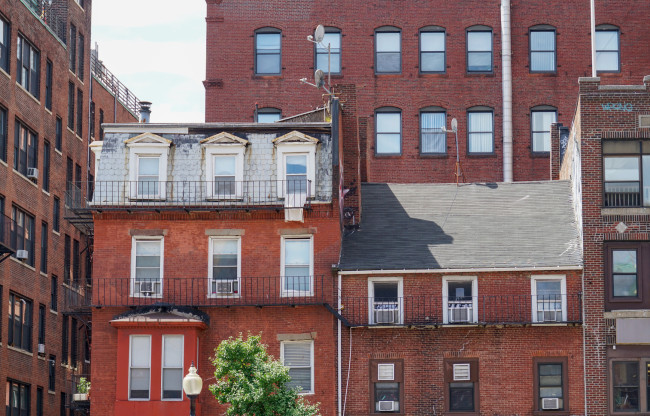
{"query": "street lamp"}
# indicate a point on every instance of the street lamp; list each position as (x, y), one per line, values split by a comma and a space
(192, 384)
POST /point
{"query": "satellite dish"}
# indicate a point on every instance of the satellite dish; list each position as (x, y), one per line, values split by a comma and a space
(319, 78)
(319, 34)
(454, 124)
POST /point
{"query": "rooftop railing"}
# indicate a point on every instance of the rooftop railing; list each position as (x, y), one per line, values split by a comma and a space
(113, 84)
(206, 292)
(478, 310)
(192, 195)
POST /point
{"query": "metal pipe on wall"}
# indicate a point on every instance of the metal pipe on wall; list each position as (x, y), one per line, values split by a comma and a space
(506, 82)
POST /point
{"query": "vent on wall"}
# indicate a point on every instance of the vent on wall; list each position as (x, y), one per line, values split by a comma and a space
(644, 121)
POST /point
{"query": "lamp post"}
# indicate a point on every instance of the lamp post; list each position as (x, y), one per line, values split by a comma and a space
(192, 384)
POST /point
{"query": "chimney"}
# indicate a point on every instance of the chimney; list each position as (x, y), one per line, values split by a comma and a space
(145, 111)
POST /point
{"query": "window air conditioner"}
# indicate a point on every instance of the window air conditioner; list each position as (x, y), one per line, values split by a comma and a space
(32, 173)
(41, 349)
(459, 313)
(387, 406)
(387, 316)
(224, 287)
(550, 403)
(148, 288)
(22, 254)
(551, 316)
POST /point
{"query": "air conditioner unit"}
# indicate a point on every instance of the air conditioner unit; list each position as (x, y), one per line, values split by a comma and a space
(550, 403)
(387, 316)
(460, 313)
(148, 288)
(41, 349)
(224, 287)
(387, 406)
(22, 254)
(32, 173)
(551, 316)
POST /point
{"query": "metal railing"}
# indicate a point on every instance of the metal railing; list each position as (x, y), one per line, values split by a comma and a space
(480, 310)
(73, 400)
(76, 298)
(53, 13)
(133, 195)
(113, 84)
(5, 231)
(622, 199)
(205, 292)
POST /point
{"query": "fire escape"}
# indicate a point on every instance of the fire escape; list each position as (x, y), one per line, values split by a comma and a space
(6, 248)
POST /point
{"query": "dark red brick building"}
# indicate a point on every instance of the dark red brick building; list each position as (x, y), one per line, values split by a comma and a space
(45, 78)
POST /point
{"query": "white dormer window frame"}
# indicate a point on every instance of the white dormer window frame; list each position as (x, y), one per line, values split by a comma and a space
(450, 306)
(295, 144)
(224, 145)
(544, 304)
(147, 145)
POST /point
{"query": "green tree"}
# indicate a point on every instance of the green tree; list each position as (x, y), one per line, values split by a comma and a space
(253, 383)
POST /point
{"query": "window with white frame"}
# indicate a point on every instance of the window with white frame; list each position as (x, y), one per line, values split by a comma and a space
(296, 165)
(140, 367)
(541, 118)
(147, 266)
(148, 176)
(607, 49)
(386, 301)
(460, 299)
(549, 298)
(172, 367)
(480, 130)
(224, 165)
(224, 266)
(148, 166)
(299, 357)
(297, 266)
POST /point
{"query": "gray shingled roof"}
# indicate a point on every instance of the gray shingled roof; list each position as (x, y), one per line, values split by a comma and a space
(442, 226)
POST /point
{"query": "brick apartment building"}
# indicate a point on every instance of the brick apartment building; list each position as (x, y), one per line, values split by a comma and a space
(45, 102)
(606, 155)
(222, 228)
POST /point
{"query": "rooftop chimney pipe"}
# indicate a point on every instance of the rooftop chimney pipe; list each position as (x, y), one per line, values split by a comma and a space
(145, 111)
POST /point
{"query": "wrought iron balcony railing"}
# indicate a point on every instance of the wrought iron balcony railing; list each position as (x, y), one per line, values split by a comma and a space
(76, 298)
(205, 292)
(622, 199)
(165, 195)
(478, 310)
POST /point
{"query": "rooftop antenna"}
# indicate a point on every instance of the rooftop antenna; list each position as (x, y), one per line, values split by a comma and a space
(319, 75)
(459, 169)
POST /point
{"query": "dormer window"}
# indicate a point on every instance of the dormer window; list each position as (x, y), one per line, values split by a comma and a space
(148, 155)
(224, 166)
(296, 163)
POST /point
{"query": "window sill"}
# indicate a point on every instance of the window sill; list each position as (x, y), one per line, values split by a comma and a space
(36, 100)
(52, 311)
(56, 233)
(547, 412)
(70, 130)
(541, 74)
(59, 152)
(79, 137)
(388, 74)
(625, 211)
(433, 75)
(23, 263)
(388, 155)
(267, 76)
(46, 192)
(434, 155)
(26, 178)
(2, 162)
(48, 110)
(480, 155)
(43, 274)
(627, 313)
(20, 350)
(42, 357)
(5, 73)
(540, 155)
(478, 75)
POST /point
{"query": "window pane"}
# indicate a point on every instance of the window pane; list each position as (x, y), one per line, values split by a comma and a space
(459, 290)
(296, 165)
(172, 383)
(268, 117)
(334, 40)
(461, 396)
(224, 166)
(625, 385)
(479, 61)
(173, 351)
(388, 143)
(607, 61)
(148, 166)
(542, 61)
(607, 40)
(622, 168)
(625, 285)
(296, 252)
(388, 41)
(433, 139)
(389, 62)
(646, 179)
(432, 62)
(297, 354)
(479, 41)
(300, 377)
(268, 53)
(386, 292)
(140, 347)
(432, 41)
(139, 383)
(624, 261)
(268, 42)
(548, 288)
(388, 122)
(542, 40)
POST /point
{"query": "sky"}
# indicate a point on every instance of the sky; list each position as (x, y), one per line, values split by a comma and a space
(157, 50)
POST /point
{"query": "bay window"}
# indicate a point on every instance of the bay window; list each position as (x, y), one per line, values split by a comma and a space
(139, 367)
(172, 367)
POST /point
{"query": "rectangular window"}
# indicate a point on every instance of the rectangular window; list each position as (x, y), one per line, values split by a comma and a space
(626, 165)
(479, 51)
(51, 364)
(540, 129)
(295, 170)
(39, 401)
(224, 176)
(607, 50)
(65, 332)
(48, 84)
(139, 367)
(76, 272)
(54, 296)
(55, 214)
(20, 322)
(3, 134)
(28, 61)
(433, 140)
(101, 124)
(147, 267)
(25, 150)
(59, 134)
(148, 176)
(73, 48)
(46, 166)
(388, 127)
(460, 300)
(550, 384)
(549, 298)
(297, 266)
(387, 386)
(388, 52)
(625, 278)
(268, 53)
(386, 306)
(41, 324)
(542, 51)
(172, 367)
(5, 41)
(71, 105)
(92, 119)
(333, 39)
(462, 392)
(626, 275)
(432, 51)
(18, 398)
(80, 110)
(480, 132)
(626, 386)
(22, 233)
(74, 342)
(268, 115)
(299, 357)
(62, 408)
(225, 266)
(44, 238)
(80, 65)
(67, 260)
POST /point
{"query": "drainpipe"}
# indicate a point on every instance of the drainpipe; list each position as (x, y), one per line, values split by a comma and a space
(593, 38)
(338, 346)
(506, 74)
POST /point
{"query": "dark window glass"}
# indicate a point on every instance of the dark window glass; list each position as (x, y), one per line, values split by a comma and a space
(18, 398)
(51, 373)
(3, 134)
(92, 118)
(44, 238)
(75, 261)
(480, 132)
(25, 149)
(46, 166)
(101, 124)
(461, 397)
(62, 408)
(54, 293)
(268, 52)
(20, 322)
(48, 84)
(479, 51)
(607, 50)
(80, 65)
(387, 397)
(433, 139)
(65, 330)
(74, 342)
(67, 270)
(39, 401)
(432, 51)
(22, 233)
(388, 51)
(28, 61)
(542, 51)
(41, 324)
(5, 41)
(625, 383)
(59, 134)
(333, 39)
(70, 105)
(55, 214)
(73, 48)
(551, 388)
(80, 108)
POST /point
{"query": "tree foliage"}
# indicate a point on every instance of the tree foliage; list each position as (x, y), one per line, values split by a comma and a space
(253, 383)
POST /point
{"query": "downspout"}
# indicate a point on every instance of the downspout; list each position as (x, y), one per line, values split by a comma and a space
(593, 38)
(338, 346)
(506, 74)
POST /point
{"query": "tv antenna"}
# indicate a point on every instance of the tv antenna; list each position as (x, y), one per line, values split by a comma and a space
(459, 168)
(319, 75)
